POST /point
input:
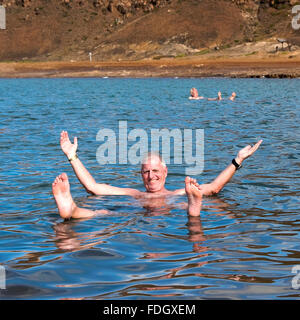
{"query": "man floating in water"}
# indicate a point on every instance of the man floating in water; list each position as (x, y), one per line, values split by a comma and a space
(194, 94)
(154, 173)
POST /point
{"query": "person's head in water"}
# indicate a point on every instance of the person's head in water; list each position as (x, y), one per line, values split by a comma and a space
(194, 93)
(233, 96)
(154, 172)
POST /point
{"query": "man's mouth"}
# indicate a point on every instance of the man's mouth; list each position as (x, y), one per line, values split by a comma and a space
(153, 181)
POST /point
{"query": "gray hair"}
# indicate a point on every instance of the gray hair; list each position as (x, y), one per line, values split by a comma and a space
(153, 154)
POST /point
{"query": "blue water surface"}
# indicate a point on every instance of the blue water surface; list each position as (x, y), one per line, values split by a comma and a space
(246, 240)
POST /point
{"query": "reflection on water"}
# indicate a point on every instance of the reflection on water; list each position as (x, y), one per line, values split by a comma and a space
(244, 244)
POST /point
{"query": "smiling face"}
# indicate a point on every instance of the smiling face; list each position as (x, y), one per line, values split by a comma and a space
(154, 174)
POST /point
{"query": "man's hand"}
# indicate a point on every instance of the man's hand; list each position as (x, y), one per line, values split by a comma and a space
(247, 152)
(68, 148)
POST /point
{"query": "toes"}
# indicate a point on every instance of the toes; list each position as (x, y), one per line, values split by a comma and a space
(187, 185)
(194, 181)
(192, 184)
(55, 182)
(64, 176)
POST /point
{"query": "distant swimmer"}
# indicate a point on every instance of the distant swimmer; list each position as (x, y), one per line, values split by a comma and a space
(153, 172)
(232, 97)
(194, 94)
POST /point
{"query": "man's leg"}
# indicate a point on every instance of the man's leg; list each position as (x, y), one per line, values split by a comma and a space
(194, 194)
(65, 203)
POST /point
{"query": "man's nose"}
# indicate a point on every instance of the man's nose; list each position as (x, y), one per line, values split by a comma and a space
(151, 174)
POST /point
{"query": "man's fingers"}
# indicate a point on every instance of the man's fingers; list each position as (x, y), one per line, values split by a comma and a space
(75, 142)
(258, 143)
(63, 135)
(251, 150)
(255, 147)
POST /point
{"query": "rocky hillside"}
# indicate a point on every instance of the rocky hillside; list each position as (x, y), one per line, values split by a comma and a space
(137, 29)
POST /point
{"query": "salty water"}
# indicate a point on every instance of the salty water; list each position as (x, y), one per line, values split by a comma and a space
(244, 245)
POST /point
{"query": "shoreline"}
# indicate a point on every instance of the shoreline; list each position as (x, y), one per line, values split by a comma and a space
(188, 68)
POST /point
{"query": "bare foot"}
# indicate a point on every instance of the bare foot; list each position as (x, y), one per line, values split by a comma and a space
(62, 196)
(194, 194)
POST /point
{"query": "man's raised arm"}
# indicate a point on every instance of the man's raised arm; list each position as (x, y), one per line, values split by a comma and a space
(83, 175)
(224, 177)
